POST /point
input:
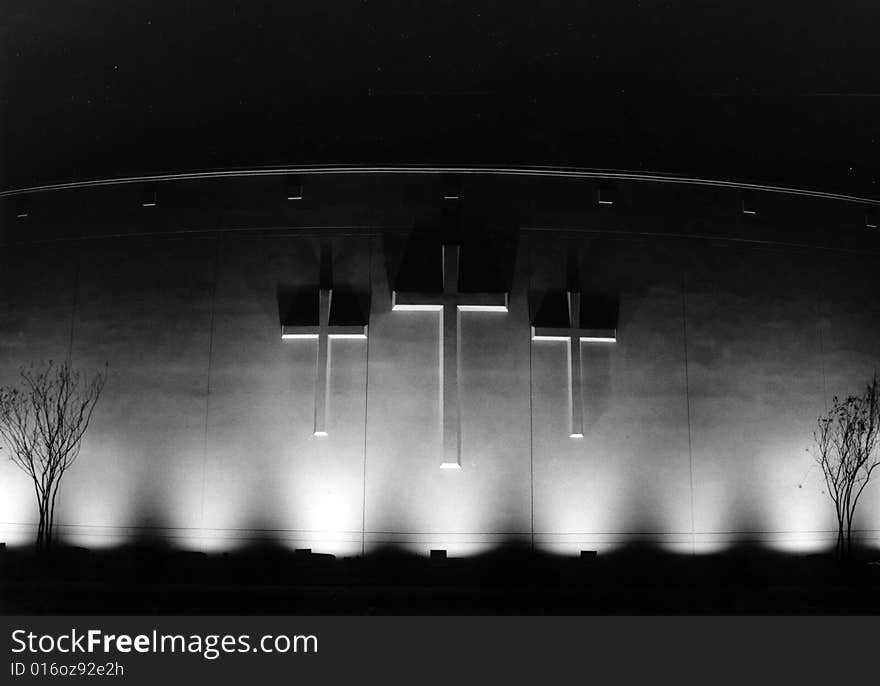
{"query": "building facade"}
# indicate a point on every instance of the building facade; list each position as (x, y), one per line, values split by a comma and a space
(355, 361)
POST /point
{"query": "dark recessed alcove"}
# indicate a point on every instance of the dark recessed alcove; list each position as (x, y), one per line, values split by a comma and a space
(487, 259)
(348, 306)
(298, 305)
(551, 308)
(597, 310)
(419, 264)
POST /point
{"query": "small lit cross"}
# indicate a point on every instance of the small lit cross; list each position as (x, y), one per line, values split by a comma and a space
(450, 303)
(323, 332)
(574, 335)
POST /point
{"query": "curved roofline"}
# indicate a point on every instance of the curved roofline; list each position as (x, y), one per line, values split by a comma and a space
(548, 172)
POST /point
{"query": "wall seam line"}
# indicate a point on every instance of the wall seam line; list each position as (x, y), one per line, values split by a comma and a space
(73, 307)
(687, 395)
(366, 408)
(820, 292)
(528, 247)
(208, 381)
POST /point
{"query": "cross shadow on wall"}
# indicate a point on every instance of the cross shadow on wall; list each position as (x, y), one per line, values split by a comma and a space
(413, 261)
(299, 304)
(598, 308)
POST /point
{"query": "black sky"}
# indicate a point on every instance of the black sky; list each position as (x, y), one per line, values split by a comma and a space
(778, 92)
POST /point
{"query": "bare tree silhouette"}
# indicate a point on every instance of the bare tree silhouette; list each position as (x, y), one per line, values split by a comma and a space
(846, 449)
(42, 422)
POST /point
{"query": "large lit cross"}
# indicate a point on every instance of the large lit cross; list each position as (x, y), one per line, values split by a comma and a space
(323, 332)
(574, 335)
(450, 303)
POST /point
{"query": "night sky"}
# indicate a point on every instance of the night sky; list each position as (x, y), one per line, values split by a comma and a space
(778, 92)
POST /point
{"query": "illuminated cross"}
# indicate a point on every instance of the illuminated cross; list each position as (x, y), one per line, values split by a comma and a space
(574, 335)
(450, 303)
(322, 333)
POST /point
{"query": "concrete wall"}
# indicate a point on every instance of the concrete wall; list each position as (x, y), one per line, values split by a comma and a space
(696, 422)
